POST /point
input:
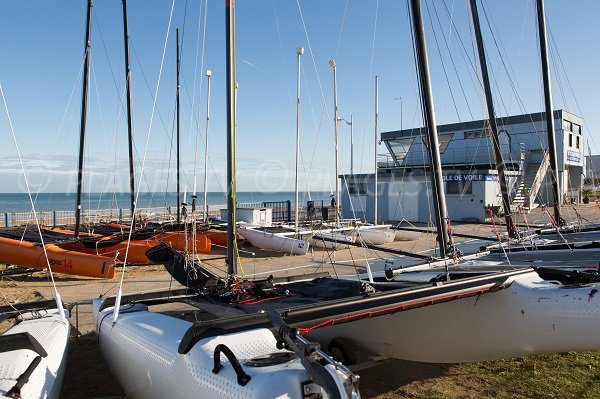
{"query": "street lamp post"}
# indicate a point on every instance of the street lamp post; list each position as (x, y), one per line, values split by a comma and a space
(400, 98)
(351, 124)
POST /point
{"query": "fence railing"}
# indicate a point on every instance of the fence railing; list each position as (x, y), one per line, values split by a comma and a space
(282, 212)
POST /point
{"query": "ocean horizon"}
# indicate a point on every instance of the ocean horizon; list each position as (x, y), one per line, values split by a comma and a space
(19, 202)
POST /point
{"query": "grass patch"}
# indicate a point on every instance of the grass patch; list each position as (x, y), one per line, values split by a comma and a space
(565, 375)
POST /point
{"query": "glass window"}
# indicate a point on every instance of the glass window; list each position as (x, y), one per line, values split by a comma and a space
(577, 142)
(357, 188)
(576, 128)
(570, 140)
(476, 134)
(400, 147)
(443, 140)
(459, 187)
(567, 125)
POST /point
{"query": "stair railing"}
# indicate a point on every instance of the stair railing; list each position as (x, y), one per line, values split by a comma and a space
(539, 178)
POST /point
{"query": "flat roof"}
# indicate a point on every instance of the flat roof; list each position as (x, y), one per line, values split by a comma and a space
(480, 124)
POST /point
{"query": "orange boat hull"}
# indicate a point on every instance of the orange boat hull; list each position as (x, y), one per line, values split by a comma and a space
(217, 237)
(27, 254)
(135, 255)
(177, 239)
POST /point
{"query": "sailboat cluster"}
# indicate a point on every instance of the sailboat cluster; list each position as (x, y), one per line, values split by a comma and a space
(222, 335)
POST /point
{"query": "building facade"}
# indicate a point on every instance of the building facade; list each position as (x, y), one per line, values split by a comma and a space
(469, 169)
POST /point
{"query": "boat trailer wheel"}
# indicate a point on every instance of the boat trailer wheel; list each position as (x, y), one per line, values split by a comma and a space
(342, 350)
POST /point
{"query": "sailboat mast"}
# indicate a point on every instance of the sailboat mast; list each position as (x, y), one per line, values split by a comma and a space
(376, 141)
(299, 52)
(429, 116)
(205, 209)
(231, 94)
(336, 120)
(178, 137)
(541, 16)
(129, 108)
(84, 97)
(499, 161)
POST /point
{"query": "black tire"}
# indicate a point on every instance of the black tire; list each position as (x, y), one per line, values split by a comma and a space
(343, 351)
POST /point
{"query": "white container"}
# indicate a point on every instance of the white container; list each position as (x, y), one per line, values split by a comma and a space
(262, 217)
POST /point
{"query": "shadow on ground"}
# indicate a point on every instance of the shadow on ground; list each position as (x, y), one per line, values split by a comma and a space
(87, 375)
(391, 375)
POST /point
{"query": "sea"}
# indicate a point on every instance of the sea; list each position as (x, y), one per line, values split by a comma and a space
(19, 202)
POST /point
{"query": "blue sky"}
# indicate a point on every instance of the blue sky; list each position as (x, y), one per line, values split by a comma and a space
(42, 51)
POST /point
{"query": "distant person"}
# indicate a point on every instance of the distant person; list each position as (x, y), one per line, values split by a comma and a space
(333, 202)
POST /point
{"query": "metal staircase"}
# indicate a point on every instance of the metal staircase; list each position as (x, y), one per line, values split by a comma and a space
(530, 183)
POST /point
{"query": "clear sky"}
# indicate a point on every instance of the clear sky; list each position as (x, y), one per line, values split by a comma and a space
(42, 56)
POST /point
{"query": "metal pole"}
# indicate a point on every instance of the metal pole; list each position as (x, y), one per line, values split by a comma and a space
(178, 138)
(351, 145)
(129, 108)
(335, 121)
(299, 52)
(376, 141)
(84, 96)
(429, 117)
(541, 16)
(230, 68)
(205, 209)
(510, 226)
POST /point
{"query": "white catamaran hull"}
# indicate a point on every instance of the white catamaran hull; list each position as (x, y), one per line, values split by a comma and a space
(406, 235)
(373, 236)
(51, 331)
(528, 317)
(331, 240)
(141, 349)
(274, 242)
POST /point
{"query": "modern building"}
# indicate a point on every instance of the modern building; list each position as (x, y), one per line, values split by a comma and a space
(469, 169)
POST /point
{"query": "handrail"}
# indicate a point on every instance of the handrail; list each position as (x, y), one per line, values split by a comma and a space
(539, 178)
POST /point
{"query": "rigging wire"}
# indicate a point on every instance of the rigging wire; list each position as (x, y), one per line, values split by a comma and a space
(35, 215)
(201, 82)
(118, 299)
(325, 109)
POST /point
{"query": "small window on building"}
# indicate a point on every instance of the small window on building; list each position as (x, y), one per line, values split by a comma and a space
(576, 128)
(400, 147)
(577, 142)
(459, 187)
(443, 140)
(357, 188)
(567, 126)
(476, 134)
(570, 140)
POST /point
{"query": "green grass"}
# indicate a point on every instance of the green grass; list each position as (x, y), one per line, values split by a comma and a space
(566, 375)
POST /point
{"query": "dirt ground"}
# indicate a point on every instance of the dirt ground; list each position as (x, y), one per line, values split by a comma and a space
(571, 375)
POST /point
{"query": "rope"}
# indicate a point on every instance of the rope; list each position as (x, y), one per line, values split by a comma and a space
(118, 299)
(14, 137)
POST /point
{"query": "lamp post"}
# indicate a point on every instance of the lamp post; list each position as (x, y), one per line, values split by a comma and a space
(351, 124)
(205, 208)
(299, 52)
(400, 98)
(336, 119)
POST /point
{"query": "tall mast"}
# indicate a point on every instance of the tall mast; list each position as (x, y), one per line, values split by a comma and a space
(231, 128)
(512, 232)
(129, 108)
(178, 138)
(299, 52)
(376, 128)
(541, 16)
(205, 209)
(336, 120)
(441, 213)
(84, 97)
